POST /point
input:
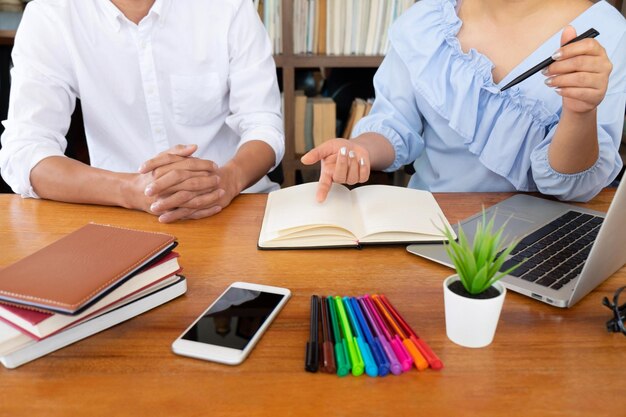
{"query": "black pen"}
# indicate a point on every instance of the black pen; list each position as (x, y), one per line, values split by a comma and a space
(591, 33)
(312, 347)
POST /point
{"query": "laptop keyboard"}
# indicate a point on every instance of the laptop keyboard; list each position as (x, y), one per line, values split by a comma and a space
(556, 253)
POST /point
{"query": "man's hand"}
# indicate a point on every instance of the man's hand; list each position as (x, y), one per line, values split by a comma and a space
(179, 186)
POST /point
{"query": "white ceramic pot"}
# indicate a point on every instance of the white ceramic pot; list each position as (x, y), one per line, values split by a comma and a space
(471, 322)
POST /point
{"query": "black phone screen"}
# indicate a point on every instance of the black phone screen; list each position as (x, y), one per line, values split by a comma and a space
(234, 318)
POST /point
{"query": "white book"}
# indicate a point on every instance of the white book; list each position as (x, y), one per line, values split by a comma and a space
(11, 339)
(347, 26)
(278, 49)
(381, 18)
(310, 27)
(296, 22)
(338, 23)
(34, 349)
(371, 27)
(364, 17)
(329, 26)
(392, 8)
(302, 25)
(355, 32)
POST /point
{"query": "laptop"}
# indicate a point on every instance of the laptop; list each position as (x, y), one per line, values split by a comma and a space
(569, 250)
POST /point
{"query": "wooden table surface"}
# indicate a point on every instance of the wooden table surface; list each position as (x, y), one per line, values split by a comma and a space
(544, 361)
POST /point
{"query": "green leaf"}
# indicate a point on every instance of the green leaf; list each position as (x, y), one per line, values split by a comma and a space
(478, 264)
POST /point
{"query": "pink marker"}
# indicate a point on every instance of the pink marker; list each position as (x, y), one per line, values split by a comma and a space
(400, 350)
(394, 364)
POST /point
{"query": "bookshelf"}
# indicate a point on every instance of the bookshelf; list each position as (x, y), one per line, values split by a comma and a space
(289, 63)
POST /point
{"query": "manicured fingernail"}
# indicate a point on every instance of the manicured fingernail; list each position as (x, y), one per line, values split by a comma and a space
(141, 167)
(148, 190)
(548, 81)
(545, 71)
(361, 162)
(343, 151)
(557, 55)
(558, 90)
(154, 206)
(351, 154)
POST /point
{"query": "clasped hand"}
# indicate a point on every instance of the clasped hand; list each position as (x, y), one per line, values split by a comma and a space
(175, 186)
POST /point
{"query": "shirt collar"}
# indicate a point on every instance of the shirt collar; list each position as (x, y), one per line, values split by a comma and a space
(114, 16)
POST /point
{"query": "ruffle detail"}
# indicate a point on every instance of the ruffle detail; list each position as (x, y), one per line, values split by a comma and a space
(464, 94)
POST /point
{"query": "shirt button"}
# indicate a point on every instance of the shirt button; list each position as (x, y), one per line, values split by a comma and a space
(158, 130)
(142, 44)
(150, 90)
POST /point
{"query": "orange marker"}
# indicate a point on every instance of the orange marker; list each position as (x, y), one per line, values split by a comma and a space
(418, 359)
(425, 350)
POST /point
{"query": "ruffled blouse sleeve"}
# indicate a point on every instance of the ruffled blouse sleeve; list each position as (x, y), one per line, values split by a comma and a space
(394, 113)
(583, 186)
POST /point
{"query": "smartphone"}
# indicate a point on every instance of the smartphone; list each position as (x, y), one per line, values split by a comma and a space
(228, 330)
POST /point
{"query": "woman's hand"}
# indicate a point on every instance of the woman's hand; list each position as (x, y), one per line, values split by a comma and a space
(580, 74)
(343, 161)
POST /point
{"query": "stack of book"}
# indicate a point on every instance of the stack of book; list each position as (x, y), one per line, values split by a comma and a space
(87, 281)
(344, 27)
(11, 5)
(359, 109)
(270, 13)
(315, 121)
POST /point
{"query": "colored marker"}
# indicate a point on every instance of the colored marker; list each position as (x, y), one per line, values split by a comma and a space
(312, 347)
(328, 358)
(418, 359)
(356, 360)
(374, 344)
(396, 344)
(431, 357)
(341, 352)
(394, 364)
(370, 366)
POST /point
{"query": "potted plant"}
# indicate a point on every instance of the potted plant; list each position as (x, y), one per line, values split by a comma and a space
(473, 297)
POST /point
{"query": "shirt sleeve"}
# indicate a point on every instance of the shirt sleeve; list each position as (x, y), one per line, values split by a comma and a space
(583, 186)
(255, 101)
(394, 114)
(41, 102)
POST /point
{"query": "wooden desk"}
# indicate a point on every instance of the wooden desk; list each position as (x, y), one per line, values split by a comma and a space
(544, 361)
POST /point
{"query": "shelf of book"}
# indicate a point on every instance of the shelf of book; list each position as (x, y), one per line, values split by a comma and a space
(289, 63)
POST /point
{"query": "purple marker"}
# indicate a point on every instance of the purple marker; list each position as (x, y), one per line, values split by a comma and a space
(394, 364)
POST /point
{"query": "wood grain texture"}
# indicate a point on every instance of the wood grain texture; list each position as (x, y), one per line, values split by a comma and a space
(544, 361)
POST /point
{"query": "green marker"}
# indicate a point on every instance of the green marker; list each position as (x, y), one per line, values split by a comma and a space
(358, 366)
(343, 366)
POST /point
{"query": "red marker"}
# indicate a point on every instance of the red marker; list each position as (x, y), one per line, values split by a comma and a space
(424, 349)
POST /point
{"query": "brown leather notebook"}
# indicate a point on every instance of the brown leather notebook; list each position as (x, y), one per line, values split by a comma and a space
(76, 270)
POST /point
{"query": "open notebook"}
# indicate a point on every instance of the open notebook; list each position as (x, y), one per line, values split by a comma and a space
(372, 214)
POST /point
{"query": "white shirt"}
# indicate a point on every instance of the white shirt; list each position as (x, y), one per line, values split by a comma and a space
(192, 71)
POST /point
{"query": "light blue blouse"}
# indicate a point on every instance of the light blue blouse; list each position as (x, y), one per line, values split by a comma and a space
(439, 107)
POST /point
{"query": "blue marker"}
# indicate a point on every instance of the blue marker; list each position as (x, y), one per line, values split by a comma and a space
(370, 366)
(377, 350)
